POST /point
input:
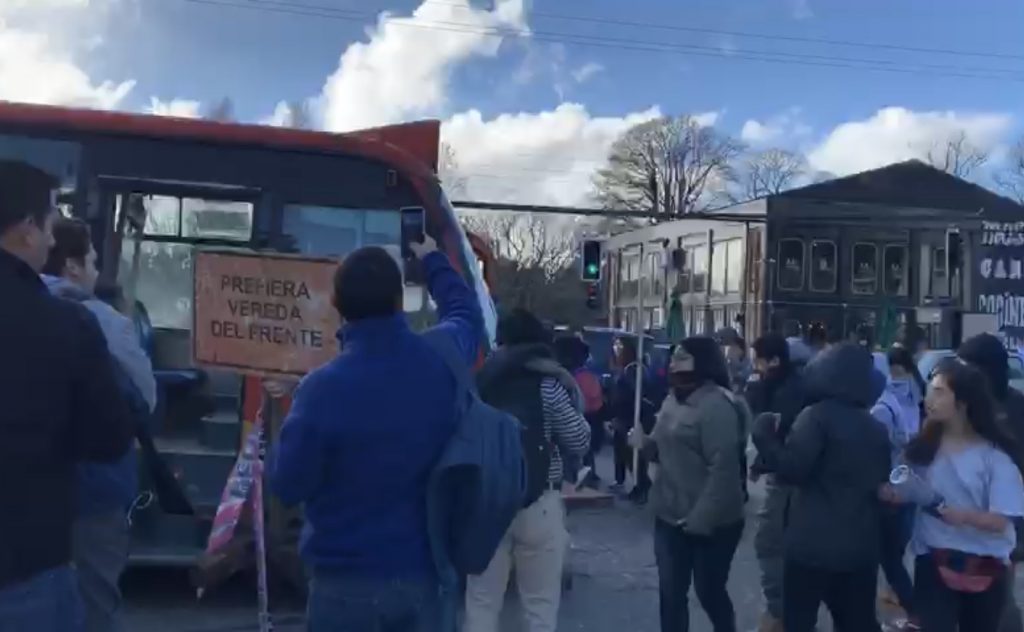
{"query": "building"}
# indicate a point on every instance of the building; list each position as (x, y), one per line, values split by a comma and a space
(901, 246)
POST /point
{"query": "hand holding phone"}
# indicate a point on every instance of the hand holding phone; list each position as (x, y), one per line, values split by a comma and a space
(423, 248)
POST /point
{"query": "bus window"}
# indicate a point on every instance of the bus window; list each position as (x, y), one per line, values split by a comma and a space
(164, 283)
(334, 232)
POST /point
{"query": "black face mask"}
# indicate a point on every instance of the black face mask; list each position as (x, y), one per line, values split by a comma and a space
(683, 386)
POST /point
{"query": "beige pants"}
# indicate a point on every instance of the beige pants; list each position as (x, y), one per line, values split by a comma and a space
(535, 546)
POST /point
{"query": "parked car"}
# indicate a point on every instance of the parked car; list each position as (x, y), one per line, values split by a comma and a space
(932, 357)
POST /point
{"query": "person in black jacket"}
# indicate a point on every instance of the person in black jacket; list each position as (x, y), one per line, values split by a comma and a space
(779, 389)
(836, 457)
(61, 404)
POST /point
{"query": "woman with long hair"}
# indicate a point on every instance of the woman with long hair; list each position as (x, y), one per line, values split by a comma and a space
(963, 542)
(697, 496)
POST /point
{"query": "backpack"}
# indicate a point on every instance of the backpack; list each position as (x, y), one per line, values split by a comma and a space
(590, 386)
(484, 491)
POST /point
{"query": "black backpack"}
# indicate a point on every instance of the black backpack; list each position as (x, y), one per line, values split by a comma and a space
(537, 450)
(517, 392)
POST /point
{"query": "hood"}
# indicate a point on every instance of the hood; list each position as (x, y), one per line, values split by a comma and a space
(846, 373)
(63, 288)
(518, 357)
(987, 352)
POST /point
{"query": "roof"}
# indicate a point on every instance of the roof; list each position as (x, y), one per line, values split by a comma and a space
(410, 147)
(912, 184)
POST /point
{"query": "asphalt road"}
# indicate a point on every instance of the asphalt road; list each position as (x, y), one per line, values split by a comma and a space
(615, 587)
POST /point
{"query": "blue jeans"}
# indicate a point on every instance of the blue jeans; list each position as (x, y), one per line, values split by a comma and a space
(47, 602)
(343, 603)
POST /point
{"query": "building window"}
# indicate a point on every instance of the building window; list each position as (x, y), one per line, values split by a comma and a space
(700, 269)
(791, 264)
(683, 267)
(718, 318)
(895, 269)
(734, 266)
(938, 285)
(699, 314)
(864, 269)
(718, 267)
(823, 266)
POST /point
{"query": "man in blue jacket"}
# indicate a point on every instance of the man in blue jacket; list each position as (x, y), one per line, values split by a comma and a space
(363, 436)
(61, 404)
(105, 491)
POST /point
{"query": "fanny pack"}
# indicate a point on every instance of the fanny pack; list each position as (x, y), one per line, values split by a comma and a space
(965, 572)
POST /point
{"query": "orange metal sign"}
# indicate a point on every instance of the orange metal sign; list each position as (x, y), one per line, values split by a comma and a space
(263, 313)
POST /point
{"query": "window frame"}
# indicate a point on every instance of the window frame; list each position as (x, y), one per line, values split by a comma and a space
(835, 265)
(853, 268)
(803, 264)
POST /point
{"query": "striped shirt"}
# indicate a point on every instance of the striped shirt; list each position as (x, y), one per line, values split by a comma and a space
(564, 426)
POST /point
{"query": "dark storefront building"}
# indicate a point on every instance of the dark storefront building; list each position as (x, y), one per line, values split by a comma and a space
(869, 254)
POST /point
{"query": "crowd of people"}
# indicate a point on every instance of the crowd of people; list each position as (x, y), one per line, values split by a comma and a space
(425, 487)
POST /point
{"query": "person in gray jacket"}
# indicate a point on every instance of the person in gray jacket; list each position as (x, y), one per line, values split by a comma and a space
(105, 491)
(697, 495)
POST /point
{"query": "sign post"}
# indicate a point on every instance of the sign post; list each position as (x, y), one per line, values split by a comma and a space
(267, 315)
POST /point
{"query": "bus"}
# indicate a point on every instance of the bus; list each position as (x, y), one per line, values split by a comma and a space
(200, 183)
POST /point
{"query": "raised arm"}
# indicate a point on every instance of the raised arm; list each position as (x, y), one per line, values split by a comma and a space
(459, 313)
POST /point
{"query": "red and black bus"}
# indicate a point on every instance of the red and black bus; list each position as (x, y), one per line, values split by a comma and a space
(204, 183)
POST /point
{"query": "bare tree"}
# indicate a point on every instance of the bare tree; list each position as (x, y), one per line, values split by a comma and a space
(299, 116)
(448, 171)
(530, 253)
(957, 156)
(765, 173)
(1010, 178)
(222, 111)
(665, 166)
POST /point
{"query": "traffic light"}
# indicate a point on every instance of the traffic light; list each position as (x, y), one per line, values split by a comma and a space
(593, 295)
(590, 270)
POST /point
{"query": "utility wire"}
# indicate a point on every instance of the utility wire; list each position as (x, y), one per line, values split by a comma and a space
(763, 36)
(801, 59)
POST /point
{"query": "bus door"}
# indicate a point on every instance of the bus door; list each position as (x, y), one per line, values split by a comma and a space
(154, 230)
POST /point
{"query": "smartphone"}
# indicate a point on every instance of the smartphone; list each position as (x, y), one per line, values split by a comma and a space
(414, 227)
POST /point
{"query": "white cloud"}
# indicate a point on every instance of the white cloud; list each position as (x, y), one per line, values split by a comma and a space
(784, 128)
(404, 68)
(707, 119)
(34, 69)
(281, 117)
(37, 55)
(894, 134)
(538, 158)
(587, 71)
(184, 108)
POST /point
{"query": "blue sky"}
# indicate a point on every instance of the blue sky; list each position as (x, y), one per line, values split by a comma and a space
(518, 92)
